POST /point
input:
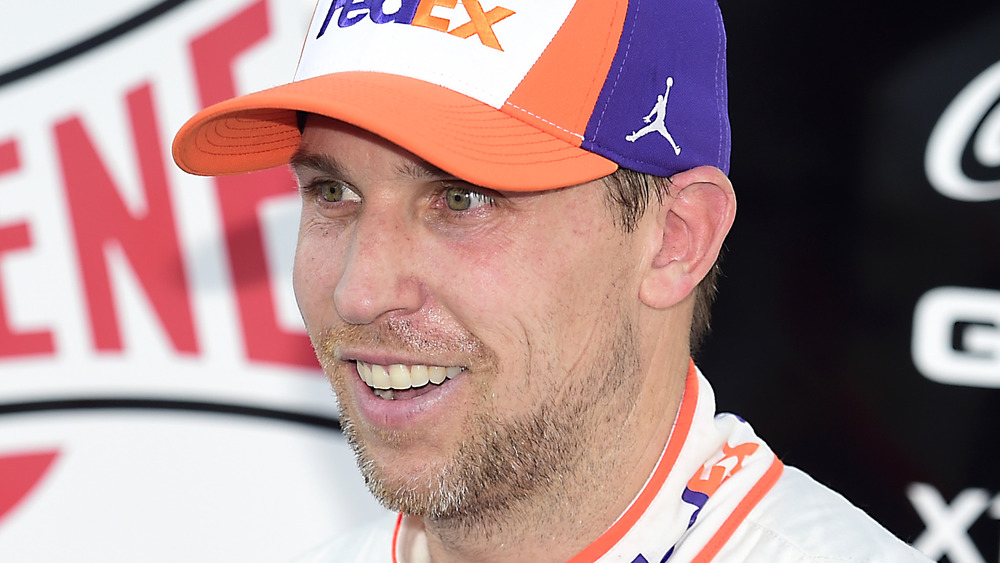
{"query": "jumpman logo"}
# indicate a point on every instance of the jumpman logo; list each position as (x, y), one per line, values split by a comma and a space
(658, 125)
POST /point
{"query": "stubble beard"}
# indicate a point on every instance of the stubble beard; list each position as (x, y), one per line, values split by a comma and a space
(506, 467)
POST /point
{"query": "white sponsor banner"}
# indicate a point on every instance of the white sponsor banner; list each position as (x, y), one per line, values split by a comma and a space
(158, 397)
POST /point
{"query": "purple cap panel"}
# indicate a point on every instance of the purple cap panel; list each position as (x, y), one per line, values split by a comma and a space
(663, 107)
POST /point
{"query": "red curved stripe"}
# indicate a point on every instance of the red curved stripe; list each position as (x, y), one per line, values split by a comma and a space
(19, 474)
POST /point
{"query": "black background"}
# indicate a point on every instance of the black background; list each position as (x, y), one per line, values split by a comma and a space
(839, 233)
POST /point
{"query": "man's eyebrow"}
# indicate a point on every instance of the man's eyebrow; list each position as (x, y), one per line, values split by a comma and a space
(326, 164)
(421, 170)
(317, 162)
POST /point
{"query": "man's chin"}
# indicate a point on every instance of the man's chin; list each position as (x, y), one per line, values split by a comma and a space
(425, 493)
(401, 483)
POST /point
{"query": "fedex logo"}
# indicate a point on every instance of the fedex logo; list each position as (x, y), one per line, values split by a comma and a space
(418, 12)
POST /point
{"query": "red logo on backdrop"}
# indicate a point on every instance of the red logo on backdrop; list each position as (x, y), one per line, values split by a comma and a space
(170, 294)
(149, 239)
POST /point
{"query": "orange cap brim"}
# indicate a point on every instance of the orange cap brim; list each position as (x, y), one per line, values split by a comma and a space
(458, 134)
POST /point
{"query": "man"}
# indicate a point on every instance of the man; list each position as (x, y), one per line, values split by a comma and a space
(503, 280)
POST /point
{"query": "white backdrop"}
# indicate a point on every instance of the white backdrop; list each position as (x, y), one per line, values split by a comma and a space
(158, 399)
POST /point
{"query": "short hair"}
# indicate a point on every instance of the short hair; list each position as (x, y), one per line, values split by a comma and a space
(628, 195)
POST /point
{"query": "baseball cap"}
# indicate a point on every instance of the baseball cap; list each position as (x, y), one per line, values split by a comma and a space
(518, 95)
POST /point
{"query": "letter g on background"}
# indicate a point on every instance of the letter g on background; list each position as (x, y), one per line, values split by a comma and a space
(956, 336)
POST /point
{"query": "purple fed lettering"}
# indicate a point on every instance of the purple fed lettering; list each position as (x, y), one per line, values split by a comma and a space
(405, 13)
(353, 11)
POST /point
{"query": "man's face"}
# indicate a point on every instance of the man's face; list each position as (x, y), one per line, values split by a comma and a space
(520, 308)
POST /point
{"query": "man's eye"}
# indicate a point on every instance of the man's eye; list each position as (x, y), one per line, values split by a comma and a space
(461, 199)
(334, 191)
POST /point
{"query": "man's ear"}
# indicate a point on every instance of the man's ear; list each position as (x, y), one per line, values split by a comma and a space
(691, 225)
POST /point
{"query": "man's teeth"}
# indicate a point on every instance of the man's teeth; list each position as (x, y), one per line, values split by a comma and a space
(398, 376)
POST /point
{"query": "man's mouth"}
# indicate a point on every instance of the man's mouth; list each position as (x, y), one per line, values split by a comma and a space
(386, 381)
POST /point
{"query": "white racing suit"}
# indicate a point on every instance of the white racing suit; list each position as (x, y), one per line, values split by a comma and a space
(718, 493)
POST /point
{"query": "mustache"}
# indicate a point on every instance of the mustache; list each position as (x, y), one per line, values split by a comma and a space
(400, 336)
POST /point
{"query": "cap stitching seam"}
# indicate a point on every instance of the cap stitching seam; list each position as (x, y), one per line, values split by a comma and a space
(718, 61)
(595, 82)
(540, 118)
(614, 85)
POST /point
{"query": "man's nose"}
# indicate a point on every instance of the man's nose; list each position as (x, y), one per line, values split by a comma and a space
(380, 274)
